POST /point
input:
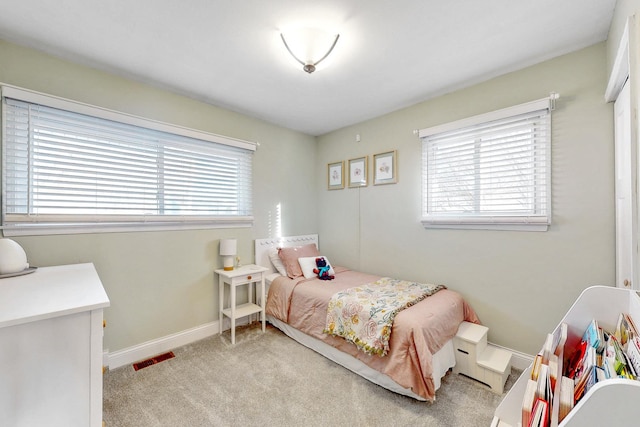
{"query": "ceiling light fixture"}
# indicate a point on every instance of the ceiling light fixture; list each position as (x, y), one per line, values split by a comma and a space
(311, 45)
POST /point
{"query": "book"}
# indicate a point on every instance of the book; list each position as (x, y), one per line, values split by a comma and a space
(601, 341)
(630, 370)
(560, 338)
(633, 353)
(553, 370)
(535, 368)
(617, 357)
(575, 361)
(592, 335)
(609, 369)
(581, 388)
(528, 401)
(585, 374)
(540, 414)
(625, 330)
(561, 375)
(547, 349)
(543, 388)
(632, 325)
(566, 397)
(586, 363)
(556, 377)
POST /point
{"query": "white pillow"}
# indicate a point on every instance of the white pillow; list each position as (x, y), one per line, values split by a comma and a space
(276, 261)
(308, 264)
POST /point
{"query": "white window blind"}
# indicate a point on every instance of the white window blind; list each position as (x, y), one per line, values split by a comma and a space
(490, 171)
(72, 171)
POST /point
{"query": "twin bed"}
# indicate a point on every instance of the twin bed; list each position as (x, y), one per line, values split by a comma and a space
(420, 345)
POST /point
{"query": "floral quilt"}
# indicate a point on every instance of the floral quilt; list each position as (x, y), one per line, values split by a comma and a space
(364, 314)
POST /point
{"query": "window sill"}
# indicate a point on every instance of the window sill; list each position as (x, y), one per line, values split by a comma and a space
(44, 229)
(493, 223)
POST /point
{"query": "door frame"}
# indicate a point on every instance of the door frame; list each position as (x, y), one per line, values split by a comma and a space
(626, 66)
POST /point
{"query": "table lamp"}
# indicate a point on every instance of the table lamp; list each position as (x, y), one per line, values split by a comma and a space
(228, 248)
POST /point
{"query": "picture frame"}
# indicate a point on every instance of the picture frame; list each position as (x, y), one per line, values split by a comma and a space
(358, 172)
(385, 168)
(335, 176)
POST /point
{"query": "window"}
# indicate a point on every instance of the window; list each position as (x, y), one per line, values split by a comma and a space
(69, 167)
(490, 171)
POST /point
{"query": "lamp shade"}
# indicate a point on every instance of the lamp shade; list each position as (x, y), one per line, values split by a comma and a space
(228, 247)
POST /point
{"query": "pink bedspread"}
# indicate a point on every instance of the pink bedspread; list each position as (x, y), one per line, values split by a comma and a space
(418, 332)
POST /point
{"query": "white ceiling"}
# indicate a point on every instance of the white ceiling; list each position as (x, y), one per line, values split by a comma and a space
(391, 54)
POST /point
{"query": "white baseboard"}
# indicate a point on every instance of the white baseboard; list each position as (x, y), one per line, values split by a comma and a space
(160, 345)
(518, 360)
(151, 348)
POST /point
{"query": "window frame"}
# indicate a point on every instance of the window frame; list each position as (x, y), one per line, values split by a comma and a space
(96, 223)
(502, 221)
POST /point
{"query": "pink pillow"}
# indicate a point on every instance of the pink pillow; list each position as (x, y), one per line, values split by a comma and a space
(289, 257)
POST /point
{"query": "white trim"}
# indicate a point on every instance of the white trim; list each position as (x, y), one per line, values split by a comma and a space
(470, 134)
(127, 356)
(48, 229)
(32, 224)
(518, 360)
(488, 226)
(540, 104)
(15, 92)
(507, 223)
(138, 352)
(151, 348)
(620, 69)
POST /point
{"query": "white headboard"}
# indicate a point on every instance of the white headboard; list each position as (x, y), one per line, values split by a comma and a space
(262, 247)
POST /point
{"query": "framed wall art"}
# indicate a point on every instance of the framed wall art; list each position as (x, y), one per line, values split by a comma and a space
(358, 172)
(385, 169)
(335, 175)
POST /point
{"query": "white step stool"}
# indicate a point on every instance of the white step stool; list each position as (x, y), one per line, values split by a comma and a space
(479, 360)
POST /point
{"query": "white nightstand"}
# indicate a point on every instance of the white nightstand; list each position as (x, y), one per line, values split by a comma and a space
(245, 275)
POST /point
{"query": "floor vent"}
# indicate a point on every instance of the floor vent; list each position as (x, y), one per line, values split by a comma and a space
(152, 361)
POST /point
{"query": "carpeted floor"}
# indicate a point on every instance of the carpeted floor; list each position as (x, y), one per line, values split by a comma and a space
(270, 380)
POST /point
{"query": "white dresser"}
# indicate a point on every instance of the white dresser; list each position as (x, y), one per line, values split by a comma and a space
(51, 347)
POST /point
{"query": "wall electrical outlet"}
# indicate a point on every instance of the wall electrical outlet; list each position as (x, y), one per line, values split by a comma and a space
(357, 137)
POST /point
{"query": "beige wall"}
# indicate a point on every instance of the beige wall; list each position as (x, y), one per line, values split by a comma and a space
(520, 283)
(161, 283)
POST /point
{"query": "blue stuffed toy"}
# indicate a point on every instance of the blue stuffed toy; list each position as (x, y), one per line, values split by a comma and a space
(323, 269)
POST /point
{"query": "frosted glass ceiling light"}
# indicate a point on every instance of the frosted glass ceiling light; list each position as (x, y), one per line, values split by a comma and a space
(309, 46)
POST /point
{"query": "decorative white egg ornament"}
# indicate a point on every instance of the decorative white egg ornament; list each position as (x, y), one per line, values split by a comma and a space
(13, 259)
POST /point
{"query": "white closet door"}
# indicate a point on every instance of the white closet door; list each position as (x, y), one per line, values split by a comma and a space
(625, 188)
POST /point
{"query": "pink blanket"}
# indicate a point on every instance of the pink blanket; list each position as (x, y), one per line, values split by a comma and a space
(418, 331)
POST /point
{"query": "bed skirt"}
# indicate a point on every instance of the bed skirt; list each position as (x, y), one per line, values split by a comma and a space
(443, 360)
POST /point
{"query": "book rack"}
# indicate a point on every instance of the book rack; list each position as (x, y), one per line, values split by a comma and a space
(611, 402)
